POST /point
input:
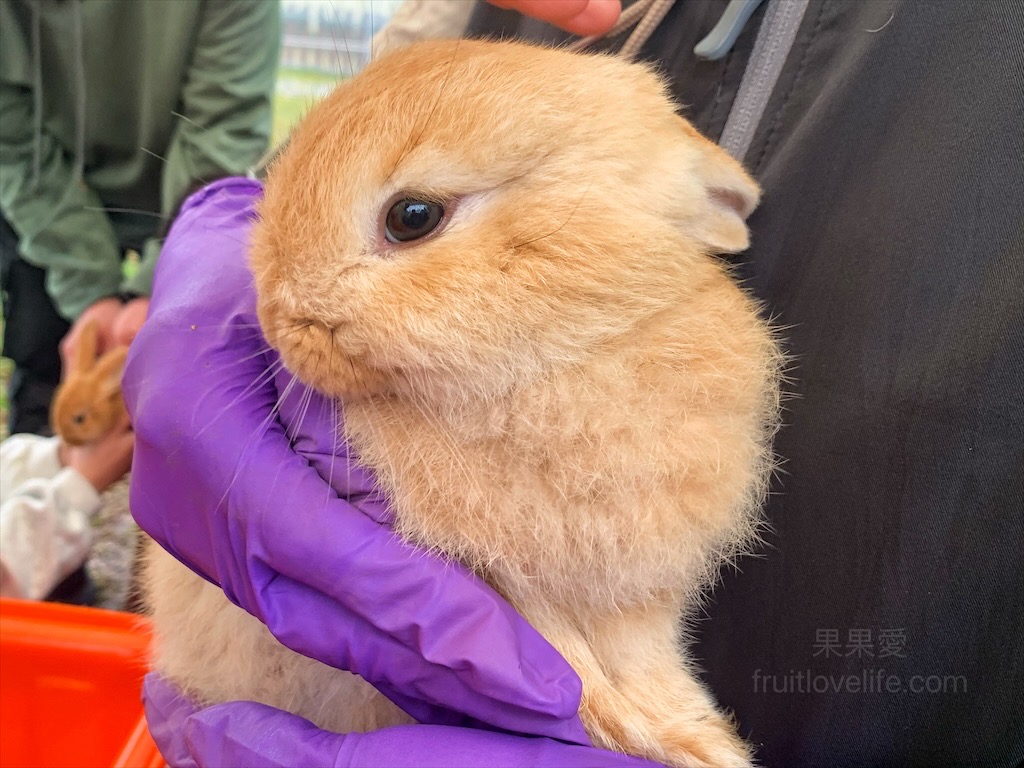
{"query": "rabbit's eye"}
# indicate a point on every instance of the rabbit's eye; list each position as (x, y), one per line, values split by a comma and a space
(410, 219)
(78, 418)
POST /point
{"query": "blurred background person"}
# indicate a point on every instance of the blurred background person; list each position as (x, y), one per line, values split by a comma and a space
(49, 492)
(110, 113)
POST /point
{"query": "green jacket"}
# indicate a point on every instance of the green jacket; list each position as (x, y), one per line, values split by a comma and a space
(111, 111)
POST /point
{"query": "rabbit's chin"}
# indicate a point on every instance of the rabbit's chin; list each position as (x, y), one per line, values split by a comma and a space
(78, 439)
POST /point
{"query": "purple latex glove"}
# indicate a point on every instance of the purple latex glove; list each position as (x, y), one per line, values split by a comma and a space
(217, 481)
(257, 736)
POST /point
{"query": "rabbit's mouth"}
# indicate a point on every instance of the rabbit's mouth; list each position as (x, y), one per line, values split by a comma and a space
(317, 354)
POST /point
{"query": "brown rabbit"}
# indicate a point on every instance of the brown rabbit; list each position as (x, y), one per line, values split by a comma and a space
(499, 258)
(87, 404)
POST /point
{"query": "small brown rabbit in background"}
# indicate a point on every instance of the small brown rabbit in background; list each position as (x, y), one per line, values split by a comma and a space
(87, 404)
(499, 259)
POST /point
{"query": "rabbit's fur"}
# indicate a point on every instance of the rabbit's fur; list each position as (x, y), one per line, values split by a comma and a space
(88, 403)
(561, 387)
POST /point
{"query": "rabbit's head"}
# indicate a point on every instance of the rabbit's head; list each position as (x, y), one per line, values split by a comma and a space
(463, 216)
(88, 403)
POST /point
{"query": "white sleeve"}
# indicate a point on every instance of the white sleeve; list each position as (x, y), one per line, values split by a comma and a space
(417, 20)
(25, 457)
(45, 531)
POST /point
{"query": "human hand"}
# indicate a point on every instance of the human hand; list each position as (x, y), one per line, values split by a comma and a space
(105, 461)
(129, 320)
(251, 734)
(223, 480)
(104, 313)
(581, 17)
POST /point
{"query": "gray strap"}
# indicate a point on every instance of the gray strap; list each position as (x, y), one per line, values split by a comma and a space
(774, 40)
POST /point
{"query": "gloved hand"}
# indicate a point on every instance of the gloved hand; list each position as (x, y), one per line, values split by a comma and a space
(258, 736)
(218, 482)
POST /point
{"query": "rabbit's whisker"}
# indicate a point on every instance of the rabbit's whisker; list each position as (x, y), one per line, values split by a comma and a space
(415, 139)
(560, 226)
(337, 53)
(256, 435)
(255, 354)
(268, 373)
(108, 209)
(188, 120)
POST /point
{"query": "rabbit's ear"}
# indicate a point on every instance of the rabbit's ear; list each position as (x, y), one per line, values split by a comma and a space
(85, 356)
(109, 370)
(729, 196)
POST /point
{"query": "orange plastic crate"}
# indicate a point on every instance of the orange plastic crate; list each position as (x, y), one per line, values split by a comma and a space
(70, 681)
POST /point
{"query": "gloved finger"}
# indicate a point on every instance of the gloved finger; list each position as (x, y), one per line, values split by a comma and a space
(167, 710)
(251, 734)
(216, 481)
(581, 17)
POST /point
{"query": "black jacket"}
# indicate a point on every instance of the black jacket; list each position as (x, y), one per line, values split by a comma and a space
(884, 624)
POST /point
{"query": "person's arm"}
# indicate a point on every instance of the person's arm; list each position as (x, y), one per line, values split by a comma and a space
(226, 109)
(59, 221)
(48, 493)
(44, 516)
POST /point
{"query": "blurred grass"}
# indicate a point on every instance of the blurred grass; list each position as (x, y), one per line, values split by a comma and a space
(297, 90)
